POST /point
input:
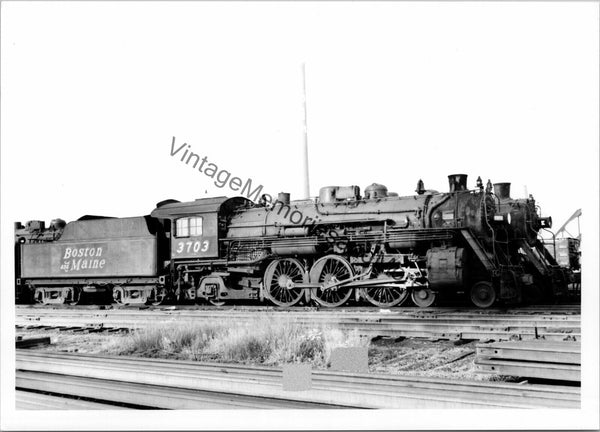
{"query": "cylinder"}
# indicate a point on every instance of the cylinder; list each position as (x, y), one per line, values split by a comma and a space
(457, 182)
(446, 267)
(502, 190)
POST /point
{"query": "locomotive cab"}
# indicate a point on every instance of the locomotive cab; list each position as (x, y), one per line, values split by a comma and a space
(197, 232)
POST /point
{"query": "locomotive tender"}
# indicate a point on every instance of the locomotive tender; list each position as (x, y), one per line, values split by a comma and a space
(379, 247)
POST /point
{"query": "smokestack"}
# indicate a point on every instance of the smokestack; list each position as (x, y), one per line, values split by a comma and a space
(502, 190)
(457, 182)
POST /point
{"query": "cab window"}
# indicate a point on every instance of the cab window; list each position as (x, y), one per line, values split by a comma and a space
(182, 227)
(185, 227)
(196, 226)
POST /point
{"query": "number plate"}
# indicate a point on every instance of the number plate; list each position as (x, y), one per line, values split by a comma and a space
(188, 247)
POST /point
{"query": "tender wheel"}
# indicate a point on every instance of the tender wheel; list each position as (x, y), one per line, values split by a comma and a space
(160, 297)
(423, 297)
(280, 279)
(483, 294)
(38, 296)
(329, 270)
(385, 297)
(74, 298)
(118, 294)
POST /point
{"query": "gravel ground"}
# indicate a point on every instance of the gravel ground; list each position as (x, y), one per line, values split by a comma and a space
(408, 357)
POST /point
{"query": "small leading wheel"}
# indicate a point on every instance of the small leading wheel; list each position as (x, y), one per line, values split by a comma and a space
(327, 271)
(280, 278)
(423, 297)
(483, 294)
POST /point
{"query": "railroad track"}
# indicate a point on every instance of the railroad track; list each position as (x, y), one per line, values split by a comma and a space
(172, 384)
(573, 308)
(108, 394)
(518, 324)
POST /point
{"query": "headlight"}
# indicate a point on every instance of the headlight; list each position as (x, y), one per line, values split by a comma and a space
(546, 222)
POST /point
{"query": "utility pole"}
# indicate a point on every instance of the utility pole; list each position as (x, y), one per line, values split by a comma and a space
(305, 159)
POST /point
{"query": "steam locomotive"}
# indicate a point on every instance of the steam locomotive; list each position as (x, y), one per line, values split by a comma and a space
(339, 247)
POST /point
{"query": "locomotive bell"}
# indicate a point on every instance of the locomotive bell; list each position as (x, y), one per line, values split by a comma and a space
(502, 190)
(457, 182)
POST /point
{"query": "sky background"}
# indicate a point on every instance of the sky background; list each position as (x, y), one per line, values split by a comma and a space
(92, 94)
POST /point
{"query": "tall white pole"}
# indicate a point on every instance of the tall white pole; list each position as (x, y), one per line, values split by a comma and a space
(305, 159)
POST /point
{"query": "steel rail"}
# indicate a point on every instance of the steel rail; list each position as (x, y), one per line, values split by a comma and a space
(153, 317)
(395, 313)
(532, 359)
(548, 371)
(546, 309)
(151, 396)
(441, 325)
(337, 388)
(534, 351)
(28, 400)
(373, 330)
(322, 314)
(276, 374)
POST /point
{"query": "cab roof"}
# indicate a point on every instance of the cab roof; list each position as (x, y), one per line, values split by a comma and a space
(222, 204)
